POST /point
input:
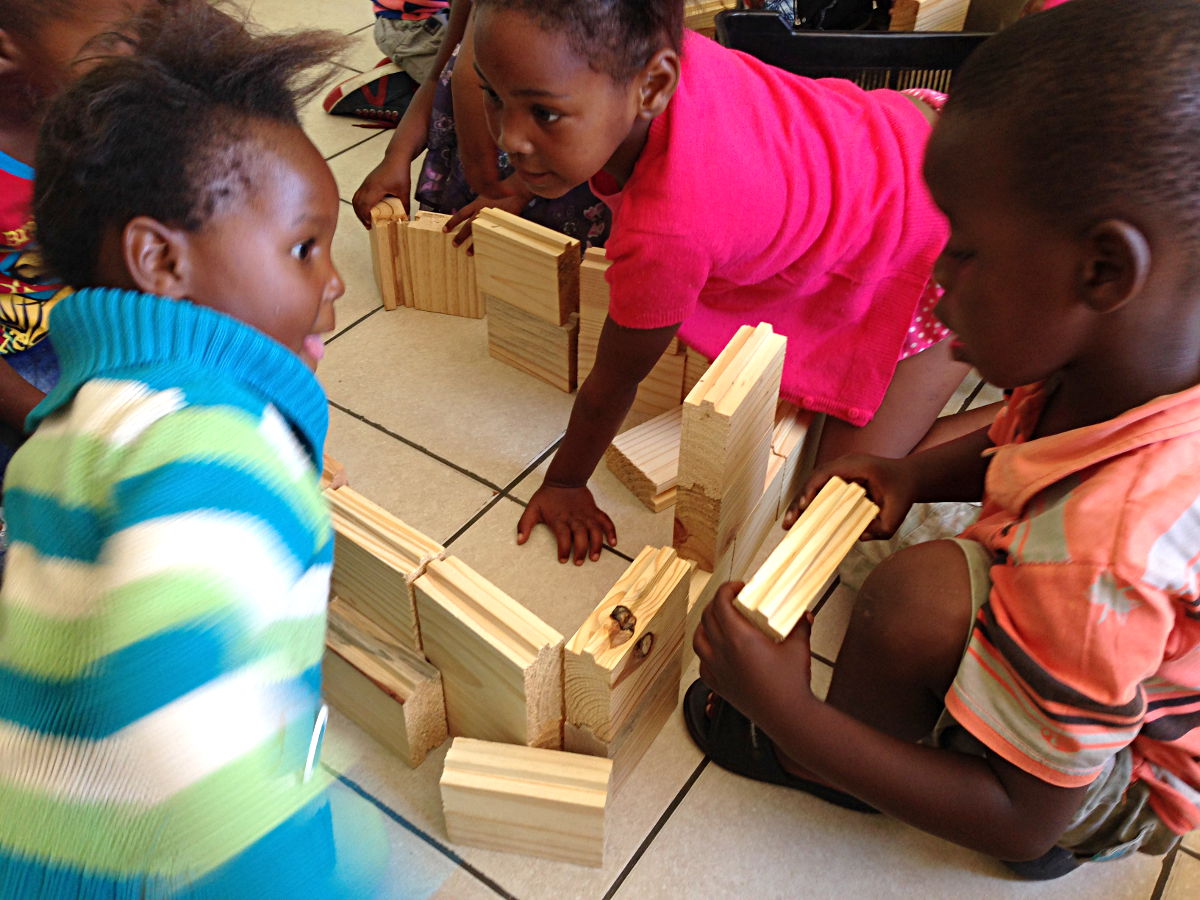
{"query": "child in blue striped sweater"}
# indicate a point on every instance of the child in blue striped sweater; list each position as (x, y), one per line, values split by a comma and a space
(162, 617)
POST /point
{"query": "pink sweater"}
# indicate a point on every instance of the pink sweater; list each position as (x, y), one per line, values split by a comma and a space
(765, 197)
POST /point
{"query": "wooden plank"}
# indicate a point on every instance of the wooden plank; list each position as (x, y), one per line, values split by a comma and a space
(662, 388)
(533, 345)
(386, 253)
(784, 587)
(533, 268)
(389, 691)
(544, 803)
(694, 368)
(725, 445)
(621, 669)
(593, 307)
(501, 665)
(646, 459)
(929, 15)
(443, 277)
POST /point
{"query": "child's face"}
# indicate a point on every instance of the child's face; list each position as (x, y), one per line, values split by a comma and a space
(559, 121)
(1008, 274)
(52, 52)
(265, 258)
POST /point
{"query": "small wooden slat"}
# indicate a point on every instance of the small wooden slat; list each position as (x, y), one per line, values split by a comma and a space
(533, 345)
(593, 306)
(529, 266)
(544, 803)
(389, 691)
(929, 15)
(646, 459)
(501, 665)
(782, 590)
(694, 368)
(621, 683)
(443, 277)
(725, 445)
(386, 250)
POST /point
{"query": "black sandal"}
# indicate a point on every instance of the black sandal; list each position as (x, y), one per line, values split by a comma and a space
(734, 743)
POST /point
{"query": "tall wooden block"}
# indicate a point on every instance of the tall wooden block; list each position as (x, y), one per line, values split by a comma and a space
(695, 365)
(443, 276)
(387, 251)
(501, 665)
(662, 389)
(376, 557)
(529, 266)
(725, 444)
(646, 459)
(533, 345)
(621, 670)
(389, 691)
(524, 800)
(593, 306)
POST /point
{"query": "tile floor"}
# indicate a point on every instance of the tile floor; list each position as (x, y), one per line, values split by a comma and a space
(451, 441)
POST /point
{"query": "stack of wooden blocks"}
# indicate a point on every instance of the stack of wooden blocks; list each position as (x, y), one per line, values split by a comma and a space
(929, 15)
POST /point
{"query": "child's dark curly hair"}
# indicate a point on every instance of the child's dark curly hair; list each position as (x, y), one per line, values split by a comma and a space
(162, 131)
(616, 37)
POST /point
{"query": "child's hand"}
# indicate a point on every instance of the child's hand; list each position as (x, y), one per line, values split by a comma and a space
(889, 485)
(515, 199)
(579, 525)
(393, 176)
(763, 679)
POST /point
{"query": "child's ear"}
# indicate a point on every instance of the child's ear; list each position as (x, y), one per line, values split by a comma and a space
(657, 82)
(1117, 265)
(156, 257)
(10, 54)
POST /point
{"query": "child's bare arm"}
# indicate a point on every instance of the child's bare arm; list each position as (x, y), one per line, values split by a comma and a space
(624, 357)
(476, 149)
(984, 803)
(17, 397)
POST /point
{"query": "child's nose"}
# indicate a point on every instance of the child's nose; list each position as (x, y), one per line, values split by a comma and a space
(513, 138)
(334, 287)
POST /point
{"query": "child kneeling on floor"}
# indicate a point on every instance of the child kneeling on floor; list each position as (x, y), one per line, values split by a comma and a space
(1030, 689)
(163, 612)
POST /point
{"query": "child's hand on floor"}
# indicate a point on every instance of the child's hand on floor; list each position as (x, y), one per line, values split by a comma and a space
(579, 525)
(765, 680)
(889, 482)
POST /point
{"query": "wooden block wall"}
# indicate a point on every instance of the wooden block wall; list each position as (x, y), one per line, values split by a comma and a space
(524, 800)
(442, 275)
(929, 15)
(542, 349)
(529, 266)
(387, 251)
(646, 459)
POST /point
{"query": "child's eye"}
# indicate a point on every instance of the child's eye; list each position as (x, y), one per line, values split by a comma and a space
(957, 255)
(303, 250)
(546, 115)
(491, 95)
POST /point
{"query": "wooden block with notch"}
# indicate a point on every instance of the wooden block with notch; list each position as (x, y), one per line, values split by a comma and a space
(501, 665)
(621, 670)
(389, 691)
(546, 803)
(662, 389)
(725, 443)
(535, 346)
(387, 251)
(443, 276)
(796, 573)
(376, 557)
(593, 306)
(694, 367)
(646, 459)
(527, 265)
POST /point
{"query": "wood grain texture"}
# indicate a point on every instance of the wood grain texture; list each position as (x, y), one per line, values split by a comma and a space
(533, 345)
(929, 15)
(442, 275)
(386, 250)
(529, 266)
(646, 459)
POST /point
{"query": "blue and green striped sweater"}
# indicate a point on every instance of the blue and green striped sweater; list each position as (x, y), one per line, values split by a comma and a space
(162, 615)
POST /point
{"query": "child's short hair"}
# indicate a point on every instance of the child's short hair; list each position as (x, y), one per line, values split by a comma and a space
(159, 132)
(616, 37)
(1099, 101)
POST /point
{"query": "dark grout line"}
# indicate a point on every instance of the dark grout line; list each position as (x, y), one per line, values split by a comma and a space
(418, 832)
(966, 404)
(360, 30)
(378, 132)
(615, 552)
(819, 657)
(414, 445)
(658, 826)
(342, 65)
(483, 511)
(1164, 874)
(357, 321)
(833, 586)
(1195, 854)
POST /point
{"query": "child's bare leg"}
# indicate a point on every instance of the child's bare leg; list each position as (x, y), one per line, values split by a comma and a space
(918, 392)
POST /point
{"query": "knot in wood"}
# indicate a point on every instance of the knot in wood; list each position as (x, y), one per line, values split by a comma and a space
(624, 622)
(644, 645)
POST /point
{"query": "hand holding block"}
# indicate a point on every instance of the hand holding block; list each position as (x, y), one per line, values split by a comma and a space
(387, 251)
(527, 265)
(782, 590)
(526, 800)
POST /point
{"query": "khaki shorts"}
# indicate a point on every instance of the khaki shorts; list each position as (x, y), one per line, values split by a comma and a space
(1115, 817)
(411, 45)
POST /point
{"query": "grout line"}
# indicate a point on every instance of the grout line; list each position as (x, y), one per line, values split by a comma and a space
(658, 826)
(1164, 874)
(342, 65)
(966, 404)
(833, 586)
(357, 321)
(417, 831)
(1195, 854)
(615, 552)
(414, 445)
(504, 493)
(378, 132)
(479, 514)
(361, 29)
(818, 656)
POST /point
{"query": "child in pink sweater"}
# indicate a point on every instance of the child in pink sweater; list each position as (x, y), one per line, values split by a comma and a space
(740, 194)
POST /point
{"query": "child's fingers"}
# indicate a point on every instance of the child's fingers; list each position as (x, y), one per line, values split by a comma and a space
(562, 537)
(610, 530)
(525, 524)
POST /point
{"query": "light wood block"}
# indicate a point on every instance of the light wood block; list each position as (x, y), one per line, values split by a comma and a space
(544, 803)
(794, 575)
(376, 557)
(593, 307)
(389, 691)
(529, 266)
(929, 15)
(725, 444)
(662, 389)
(533, 345)
(501, 665)
(621, 670)
(387, 250)
(442, 275)
(695, 365)
(699, 15)
(646, 459)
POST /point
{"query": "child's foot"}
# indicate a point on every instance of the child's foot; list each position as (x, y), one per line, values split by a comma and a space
(1054, 863)
(381, 94)
(734, 743)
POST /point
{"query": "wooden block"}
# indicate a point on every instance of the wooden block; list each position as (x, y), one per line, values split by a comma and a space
(621, 670)
(646, 459)
(694, 368)
(443, 277)
(699, 15)
(333, 474)
(593, 307)
(531, 267)
(725, 444)
(794, 575)
(662, 389)
(701, 589)
(389, 691)
(501, 665)
(533, 345)
(929, 15)
(544, 803)
(376, 557)
(386, 250)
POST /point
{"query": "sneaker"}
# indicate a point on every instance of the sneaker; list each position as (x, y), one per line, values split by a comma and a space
(380, 95)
